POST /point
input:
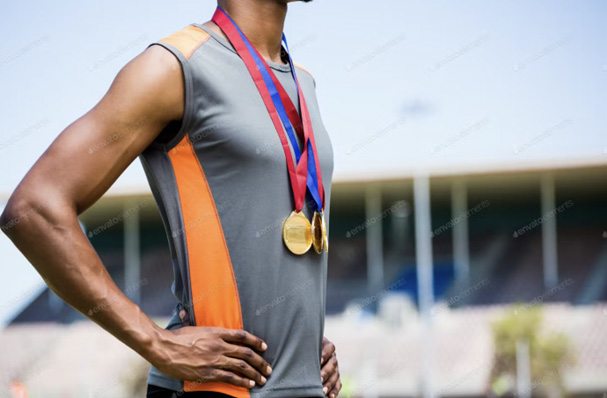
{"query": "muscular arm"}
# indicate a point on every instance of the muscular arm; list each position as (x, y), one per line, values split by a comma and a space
(79, 166)
(71, 175)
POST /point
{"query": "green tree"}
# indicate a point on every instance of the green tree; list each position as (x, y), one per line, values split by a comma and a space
(550, 353)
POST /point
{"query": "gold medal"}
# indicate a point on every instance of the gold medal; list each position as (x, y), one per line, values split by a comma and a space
(325, 236)
(318, 239)
(297, 233)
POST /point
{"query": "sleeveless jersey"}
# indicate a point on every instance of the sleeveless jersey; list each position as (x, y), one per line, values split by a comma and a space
(222, 188)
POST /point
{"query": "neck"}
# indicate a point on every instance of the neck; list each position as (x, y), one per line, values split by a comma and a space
(262, 21)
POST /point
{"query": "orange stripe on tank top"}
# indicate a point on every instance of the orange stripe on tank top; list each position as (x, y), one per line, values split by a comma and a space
(187, 40)
(215, 300)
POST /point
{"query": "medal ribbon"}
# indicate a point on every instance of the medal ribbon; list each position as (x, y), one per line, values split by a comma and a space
(274, 94)
(315, 184)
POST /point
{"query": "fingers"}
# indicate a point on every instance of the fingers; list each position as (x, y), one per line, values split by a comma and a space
(243, 337)
(328, 349)
(328, 368)
(330, 374)
(242, 368)
(335, 392)
(333, 377)
(218, 355)
(251, 357)
(225, 376)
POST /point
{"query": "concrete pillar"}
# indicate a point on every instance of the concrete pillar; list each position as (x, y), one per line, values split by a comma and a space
(132, 251)
(461, 251)
(423, 247)
(374, 236)
(549, 244)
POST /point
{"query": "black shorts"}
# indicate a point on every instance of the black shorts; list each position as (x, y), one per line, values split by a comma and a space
(159, 392)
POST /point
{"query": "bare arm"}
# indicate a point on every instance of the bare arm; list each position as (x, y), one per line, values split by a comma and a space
(72, 174)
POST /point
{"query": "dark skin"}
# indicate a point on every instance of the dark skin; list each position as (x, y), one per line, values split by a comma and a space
(330, 369)
(146, 95)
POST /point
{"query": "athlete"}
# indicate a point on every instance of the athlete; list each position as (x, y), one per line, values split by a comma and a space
(229, 133)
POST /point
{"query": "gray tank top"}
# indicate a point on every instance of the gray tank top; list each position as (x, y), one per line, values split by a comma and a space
(222, 187)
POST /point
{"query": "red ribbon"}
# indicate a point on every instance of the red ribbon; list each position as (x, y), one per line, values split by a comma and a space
(297, 174)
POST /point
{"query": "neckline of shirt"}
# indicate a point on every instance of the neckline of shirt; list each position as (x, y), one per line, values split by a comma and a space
(228, 45)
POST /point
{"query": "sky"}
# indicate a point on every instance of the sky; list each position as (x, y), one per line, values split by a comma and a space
(404, 86)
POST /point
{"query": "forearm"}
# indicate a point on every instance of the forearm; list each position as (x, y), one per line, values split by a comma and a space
(50, 237)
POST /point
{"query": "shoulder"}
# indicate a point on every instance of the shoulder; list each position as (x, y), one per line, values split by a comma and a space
(186, 40)
(152, 83)
(300, 66)
(306, 74)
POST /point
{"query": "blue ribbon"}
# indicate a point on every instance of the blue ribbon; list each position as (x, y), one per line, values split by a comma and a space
(312, 180)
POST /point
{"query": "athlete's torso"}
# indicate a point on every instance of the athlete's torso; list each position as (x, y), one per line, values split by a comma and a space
(223, 191)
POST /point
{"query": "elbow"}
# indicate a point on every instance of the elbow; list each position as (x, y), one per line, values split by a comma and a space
(17, 211)
(7, 218)
(25, 214)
